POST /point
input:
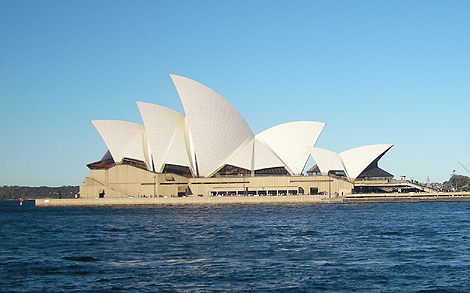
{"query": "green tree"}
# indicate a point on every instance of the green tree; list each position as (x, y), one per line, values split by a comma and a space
(457, 183)
(27, 192)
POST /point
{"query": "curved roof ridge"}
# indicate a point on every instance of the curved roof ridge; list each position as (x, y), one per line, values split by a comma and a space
(122, 138)
(161, 124)
(357, 159)
(178, 152)
(326, 160)
(217, 128)
(243, 156)
(290, 141)
(264, 157)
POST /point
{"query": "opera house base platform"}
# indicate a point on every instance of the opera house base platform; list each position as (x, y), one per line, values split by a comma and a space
(126, 181)
(130, 185)
(292, 199)
(193, 200)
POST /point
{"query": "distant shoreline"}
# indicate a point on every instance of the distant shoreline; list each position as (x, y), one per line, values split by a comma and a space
(33, 193)
(293, 199)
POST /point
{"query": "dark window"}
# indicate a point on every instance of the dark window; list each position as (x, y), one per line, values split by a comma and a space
(313, 190)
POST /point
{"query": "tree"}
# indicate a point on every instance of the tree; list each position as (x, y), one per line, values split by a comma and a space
(457, 183)
(27, 192)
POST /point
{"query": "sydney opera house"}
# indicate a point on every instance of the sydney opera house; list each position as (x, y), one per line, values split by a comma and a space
(211, 151)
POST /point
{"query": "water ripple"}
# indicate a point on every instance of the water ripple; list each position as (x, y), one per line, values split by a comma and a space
(417, 247)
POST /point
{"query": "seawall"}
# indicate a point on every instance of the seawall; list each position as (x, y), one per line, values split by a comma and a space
(193, 200)
(292, 199)
(406, 197)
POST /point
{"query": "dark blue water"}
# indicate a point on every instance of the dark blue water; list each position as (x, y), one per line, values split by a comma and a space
(368, 247)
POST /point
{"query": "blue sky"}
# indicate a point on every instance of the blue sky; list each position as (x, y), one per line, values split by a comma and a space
(374, 71)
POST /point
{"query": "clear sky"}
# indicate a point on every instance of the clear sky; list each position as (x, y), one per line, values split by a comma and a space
(374, 71)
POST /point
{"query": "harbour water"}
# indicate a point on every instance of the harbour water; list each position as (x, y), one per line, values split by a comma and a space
(402, 247)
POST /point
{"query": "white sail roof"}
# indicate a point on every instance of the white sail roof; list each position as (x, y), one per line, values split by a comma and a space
(123, 139)
(165, 133)
(289, 141)
(212, 134)
(356, 160)
(178, 153)
(353, 161)
(326, 160)
(217, 129)
(243, 157)
(264, 157)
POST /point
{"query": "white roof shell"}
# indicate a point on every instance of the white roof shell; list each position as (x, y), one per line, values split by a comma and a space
(357, 159)
(123, 139)
(215, 134)
(289, 141)
(264, 157)
(255, 155)
(217, 129)
(326, 160)
(353, 161)
(178, 153)
(164, 128)
(243, 157)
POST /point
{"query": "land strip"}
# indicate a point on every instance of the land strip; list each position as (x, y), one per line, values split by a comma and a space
(292, 199)
(406, 197)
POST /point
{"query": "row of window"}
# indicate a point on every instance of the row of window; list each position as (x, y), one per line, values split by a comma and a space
(254, 192)
(313, 190)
